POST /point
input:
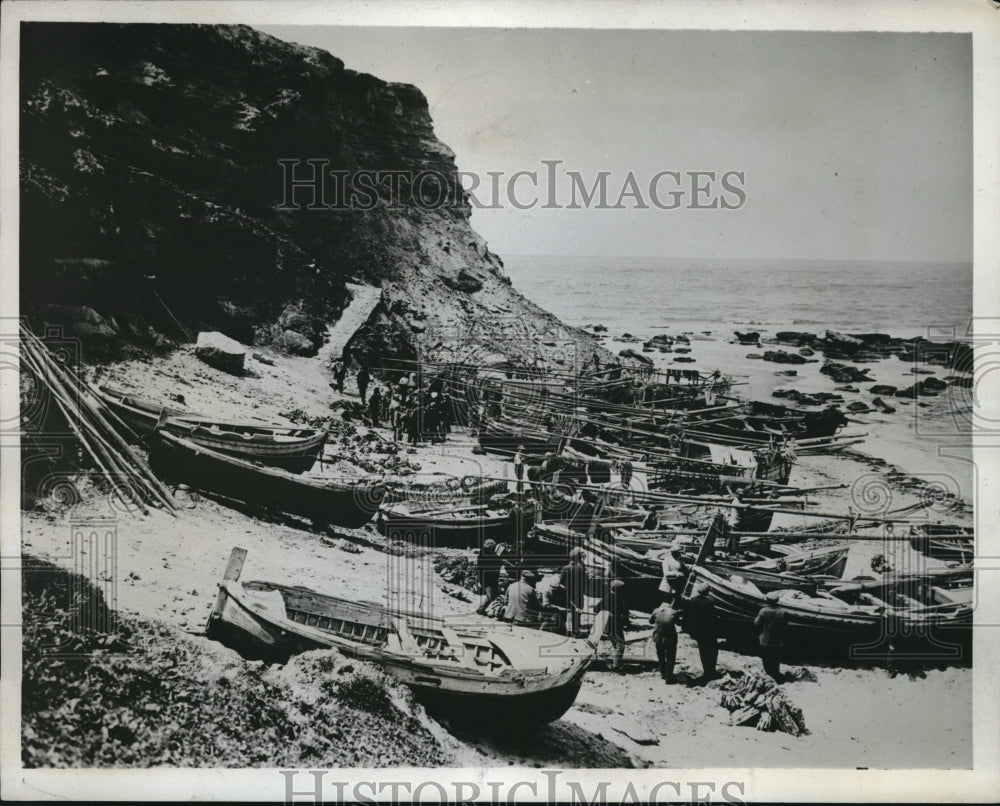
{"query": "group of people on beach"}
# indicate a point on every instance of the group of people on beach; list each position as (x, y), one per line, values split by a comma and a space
(559, 607)
(413, 413)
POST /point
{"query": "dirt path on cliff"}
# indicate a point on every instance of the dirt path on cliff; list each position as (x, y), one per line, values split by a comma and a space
(365, 298)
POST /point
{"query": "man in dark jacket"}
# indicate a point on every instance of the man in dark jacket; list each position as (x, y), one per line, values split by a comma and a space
(573, 578)
(772, 621)
(339, 373)
(375, 406)
(488, 566)
(701, 623)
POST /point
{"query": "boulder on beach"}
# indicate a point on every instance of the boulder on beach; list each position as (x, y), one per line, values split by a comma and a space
(635, 356)
(807, 351)
(883, 389)
(796, 337)
(220, 351)
(857, 406)
(782, 357)
(295, 343)
(787, 373)
(841, 373)
(841, 342)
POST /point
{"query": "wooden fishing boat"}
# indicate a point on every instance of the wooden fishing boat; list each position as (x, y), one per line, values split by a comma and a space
(845, 612)
(467, 669)
(292, 448)
(828, 560)
(461, 525)
(497, 436)
(944, 542)
(324, 501)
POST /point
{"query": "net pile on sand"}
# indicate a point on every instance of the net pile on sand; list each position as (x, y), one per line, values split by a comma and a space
(757, 701)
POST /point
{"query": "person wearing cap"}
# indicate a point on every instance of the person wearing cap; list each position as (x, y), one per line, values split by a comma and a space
(701, 623)
(573, 578)
(523, 605)
(488, 565)
(772, 622)
(612, 619)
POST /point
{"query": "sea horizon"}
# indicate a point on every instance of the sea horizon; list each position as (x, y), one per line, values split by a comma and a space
(642, 295)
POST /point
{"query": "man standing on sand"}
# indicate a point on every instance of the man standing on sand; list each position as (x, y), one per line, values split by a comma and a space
(414, 418)
(612, 618)
(339, 373)
(573, 578)
(524, 608)
(363, 379)
(519, 468)
(396, 418)
(772, 621)
(664, 621)
(375, 406)
(701, 623)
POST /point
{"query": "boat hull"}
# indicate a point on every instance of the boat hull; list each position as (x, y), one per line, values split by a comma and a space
(463, 697)
(469, 532)
(324, 502)
(292, 449)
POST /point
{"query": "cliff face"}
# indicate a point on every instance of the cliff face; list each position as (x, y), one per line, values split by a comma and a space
(154, 203)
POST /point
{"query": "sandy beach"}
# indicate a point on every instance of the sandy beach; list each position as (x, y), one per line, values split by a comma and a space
(168, 567)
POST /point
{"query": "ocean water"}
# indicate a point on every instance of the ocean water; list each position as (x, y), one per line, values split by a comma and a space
(643, 295)
(710, 299)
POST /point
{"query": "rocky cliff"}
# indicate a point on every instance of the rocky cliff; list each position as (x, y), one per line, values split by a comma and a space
(155, 201)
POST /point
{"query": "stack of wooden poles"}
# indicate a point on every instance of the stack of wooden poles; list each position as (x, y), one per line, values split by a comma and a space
(91, 422)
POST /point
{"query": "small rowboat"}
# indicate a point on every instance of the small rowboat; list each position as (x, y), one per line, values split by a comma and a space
(466, 669)
(457, 525)
(290, 448)
(324, 501)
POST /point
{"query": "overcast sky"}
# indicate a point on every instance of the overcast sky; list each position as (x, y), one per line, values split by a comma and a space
(852, 145)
